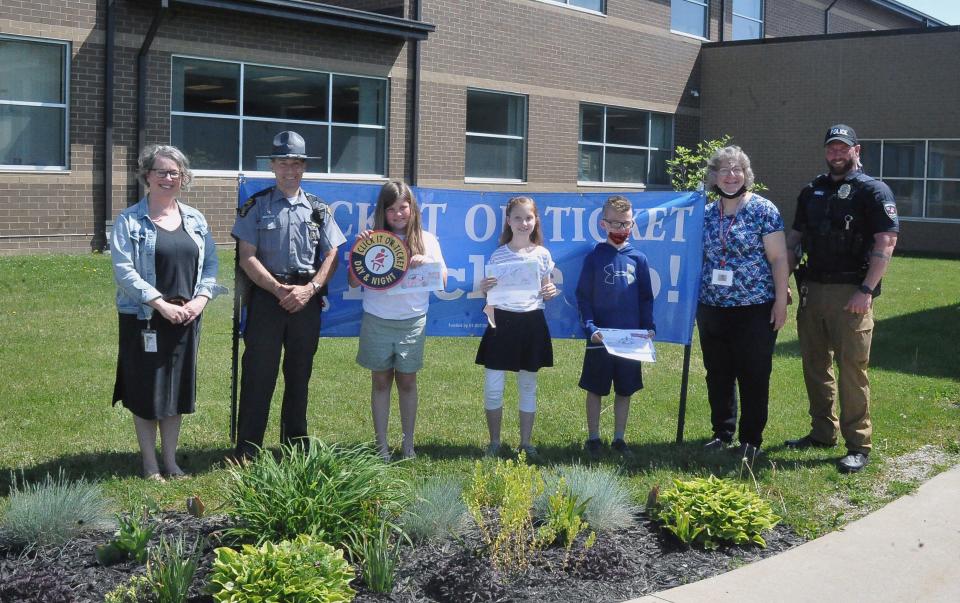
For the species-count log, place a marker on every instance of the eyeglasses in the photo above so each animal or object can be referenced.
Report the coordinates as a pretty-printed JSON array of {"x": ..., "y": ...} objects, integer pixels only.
[
  {"x": 175, "y": 174},
  {"x": 737, "y": 171},
  {"x": 618, "y": 225}
]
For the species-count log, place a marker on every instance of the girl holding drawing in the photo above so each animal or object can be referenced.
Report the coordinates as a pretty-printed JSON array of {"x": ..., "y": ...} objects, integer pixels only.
[
  {"x": 392, "y": 329},
  {"x": 517, "y": 338}
]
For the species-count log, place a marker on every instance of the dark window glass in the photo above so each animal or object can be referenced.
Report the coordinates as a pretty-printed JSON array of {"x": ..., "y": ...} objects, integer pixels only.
[
  {"x": 943, "y": 199},
  {"x": 903, "y": 159},
  {"x": 32, "y": 136},
  {"x": 625, "y": 126},
  {"x": 357, "y": 150},
  {"x": 494, "y": 158},
  {"x": 359, "y": 100},
  {"x": 661, "y": 131},
  {"x": 591, "y": 163},
  {"x": 32, "y": 71},
  {"x": 944, "y": 159},
  {"x": 591, "y": 123},
  {"x": 210, "y": 143},
  {"x": 870, "y": 157},
  {"x": 658, "y": 167},
  {"x": 625, "y": 165},
  {"x": 205, "y": 87},
  {"x": 258, "y": 139},
  {"x": 284, "y": 93},
  {"x": 909, "y": 196},
  {"x": 493, "y": 113}
]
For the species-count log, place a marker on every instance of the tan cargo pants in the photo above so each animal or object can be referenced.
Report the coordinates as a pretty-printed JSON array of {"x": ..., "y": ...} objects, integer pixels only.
[{"x": 829, "y": 334}]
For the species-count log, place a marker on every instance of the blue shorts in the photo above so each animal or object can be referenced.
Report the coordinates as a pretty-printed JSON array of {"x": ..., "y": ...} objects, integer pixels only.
[{"x": 600, "y": 369}]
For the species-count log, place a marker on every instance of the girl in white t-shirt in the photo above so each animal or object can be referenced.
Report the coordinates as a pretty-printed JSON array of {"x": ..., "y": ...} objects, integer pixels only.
[
  {"x": 517, "y": 339},
  {"x": 392, "y": 330}
]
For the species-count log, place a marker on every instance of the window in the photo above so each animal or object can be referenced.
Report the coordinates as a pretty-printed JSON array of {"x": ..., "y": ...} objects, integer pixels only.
[
  {"x": 624, "y": 146},
  {"x": 924, "y": 175},
  {"x": 34, "y": 102},
  {"x": 596, "y": 6},
  {"x": 747, "y": 19},
  {"x": 223, "y": 125},
  {"x": 496, "y": 132},
  {"x": 690, "y": 17}
]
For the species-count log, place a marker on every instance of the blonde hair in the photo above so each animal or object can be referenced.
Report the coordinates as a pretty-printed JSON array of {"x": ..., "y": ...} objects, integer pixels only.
[
  {"x": 724, "y": 157},
  {"x": 396, "y": 191},
  {"x": 617, "y": 203},
  {"x": 536, "y": 237}
]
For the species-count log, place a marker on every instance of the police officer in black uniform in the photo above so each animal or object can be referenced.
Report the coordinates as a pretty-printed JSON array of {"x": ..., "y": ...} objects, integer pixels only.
[
  {"x": 288, "y": 248},
  {"x": 846, "y": 224}
]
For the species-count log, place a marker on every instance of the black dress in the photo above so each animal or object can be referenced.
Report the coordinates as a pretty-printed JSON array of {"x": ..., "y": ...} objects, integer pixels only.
[{"x": 156, "y": 385}]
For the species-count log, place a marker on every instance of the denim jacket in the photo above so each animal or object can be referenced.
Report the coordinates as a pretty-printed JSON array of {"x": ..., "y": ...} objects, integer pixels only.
[{"x": 133, "y": 247}]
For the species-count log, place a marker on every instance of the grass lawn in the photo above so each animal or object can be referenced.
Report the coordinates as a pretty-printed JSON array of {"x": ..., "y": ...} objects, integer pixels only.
[{"x": 58, "y": 326}]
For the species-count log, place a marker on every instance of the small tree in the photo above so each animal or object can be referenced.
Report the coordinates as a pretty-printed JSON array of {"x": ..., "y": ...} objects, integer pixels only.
[{"x": 688, "y": 168}]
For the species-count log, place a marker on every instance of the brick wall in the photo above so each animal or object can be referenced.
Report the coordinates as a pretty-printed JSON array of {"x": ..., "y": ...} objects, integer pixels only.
[{"x": 798, "y": 89}]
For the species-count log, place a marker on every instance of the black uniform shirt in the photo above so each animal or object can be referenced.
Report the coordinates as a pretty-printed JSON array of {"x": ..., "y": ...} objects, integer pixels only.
[{"x": 855, "y": 208}]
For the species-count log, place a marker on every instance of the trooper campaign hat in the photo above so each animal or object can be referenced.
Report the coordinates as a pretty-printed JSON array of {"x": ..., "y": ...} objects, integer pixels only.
[
  {"x": 288, "y": 145},
  {"x": 841, "y": 132}
]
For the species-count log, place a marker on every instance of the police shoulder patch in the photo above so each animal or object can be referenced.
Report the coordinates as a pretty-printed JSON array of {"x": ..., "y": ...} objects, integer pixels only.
[
  {"x": 243, "y": 210},
  {"x": 891, "y": 209}
]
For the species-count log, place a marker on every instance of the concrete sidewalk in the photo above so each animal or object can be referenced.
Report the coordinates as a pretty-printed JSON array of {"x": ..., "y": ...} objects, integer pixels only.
[{"x": 906, "y": 551}]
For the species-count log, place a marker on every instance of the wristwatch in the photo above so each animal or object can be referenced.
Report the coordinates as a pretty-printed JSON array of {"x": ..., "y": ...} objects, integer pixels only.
[
  {"x": 316, "y": 286},
  {"x": 866, "y": 289}
]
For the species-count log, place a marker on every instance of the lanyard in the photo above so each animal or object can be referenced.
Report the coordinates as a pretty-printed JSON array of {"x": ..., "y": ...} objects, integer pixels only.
[{"x": 723, "y": 234}]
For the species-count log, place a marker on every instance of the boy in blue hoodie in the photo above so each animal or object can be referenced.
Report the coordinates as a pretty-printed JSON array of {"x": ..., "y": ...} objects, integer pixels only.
[{"x": 613, "y": 292}]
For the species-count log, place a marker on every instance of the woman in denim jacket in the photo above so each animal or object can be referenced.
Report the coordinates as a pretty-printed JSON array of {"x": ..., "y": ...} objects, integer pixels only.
[{"x": 165, "y": 265}]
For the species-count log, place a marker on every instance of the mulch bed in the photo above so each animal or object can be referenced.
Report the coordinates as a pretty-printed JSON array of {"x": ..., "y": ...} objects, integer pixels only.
[{"x": 621, "y": 565}]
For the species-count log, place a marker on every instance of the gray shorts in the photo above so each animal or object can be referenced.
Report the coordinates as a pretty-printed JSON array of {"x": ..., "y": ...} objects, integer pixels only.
[{"x": 392, "y": 344}]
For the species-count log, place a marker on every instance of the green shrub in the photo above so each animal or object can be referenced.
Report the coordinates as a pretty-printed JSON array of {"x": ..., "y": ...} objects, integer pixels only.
[
  {"x": 51, "y": 512},
  {"x": 335, "y": 493},
  {"x": 507, "y": 490},
  {"x": 381, "y": 554},
  {"x": 609, "y": 503},
  {"x": 130, "y": 541},
  {"x": 170, "y": 570},
  {"x": 708, "y": 511},
  {"x": 436, "y": 510},
  {"x": 688, "y": 167},
  {"x": 563, "y": 518},
  {"x": 301, "y": 570},
  {"x": 136, "y": 590}
]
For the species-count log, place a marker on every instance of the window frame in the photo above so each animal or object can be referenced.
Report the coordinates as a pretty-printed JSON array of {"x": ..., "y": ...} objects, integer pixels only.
[
  {"x": 566, "y": 4},
  {"x": 924, "y": 180},
  {"x": 706, "y": 20},
  {"x": 329, "y": 124},
  {"x": 649, "y": 148},
  {"x": 761, "y": 21},
  {"x": 524, "y": 138},
  {"x": 66, "y": 48}
]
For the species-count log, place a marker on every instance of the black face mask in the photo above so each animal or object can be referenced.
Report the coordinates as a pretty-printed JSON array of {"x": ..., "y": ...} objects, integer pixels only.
[{"x": 720, "y": 192}]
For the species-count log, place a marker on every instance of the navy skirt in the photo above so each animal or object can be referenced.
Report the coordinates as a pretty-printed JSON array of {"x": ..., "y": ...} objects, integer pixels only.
[{"x": 521, "y": 342}]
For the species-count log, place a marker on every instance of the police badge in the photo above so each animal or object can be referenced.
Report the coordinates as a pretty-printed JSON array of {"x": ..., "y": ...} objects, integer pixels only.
[{"x": 844, "y": 191}]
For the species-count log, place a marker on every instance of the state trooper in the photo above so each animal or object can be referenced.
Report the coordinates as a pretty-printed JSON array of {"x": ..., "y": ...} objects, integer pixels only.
[
  {"x": 846, "y": 225},
  {"x": 287, "y": 247}
]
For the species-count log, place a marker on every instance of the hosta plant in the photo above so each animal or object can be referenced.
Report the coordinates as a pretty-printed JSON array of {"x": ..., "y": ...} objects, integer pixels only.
[{"x": 710, "y": 511}]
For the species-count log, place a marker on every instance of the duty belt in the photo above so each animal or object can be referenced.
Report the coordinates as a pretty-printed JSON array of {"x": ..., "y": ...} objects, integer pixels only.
[
  {"x": 834, "y": 278},
  {"x": 295, "y": 278}
]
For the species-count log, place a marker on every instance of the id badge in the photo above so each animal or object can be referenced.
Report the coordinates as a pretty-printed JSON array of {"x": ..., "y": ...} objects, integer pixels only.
[
  {"x": 722, "y": 278},
  {"x": 149, "y": 340}
]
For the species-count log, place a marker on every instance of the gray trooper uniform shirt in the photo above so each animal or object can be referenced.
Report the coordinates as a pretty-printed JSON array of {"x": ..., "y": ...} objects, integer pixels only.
[{"x": 286, "y": 237}]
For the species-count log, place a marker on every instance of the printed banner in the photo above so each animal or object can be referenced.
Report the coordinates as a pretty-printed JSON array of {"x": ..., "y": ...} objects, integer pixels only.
[{"x": 668, "y": 230}]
